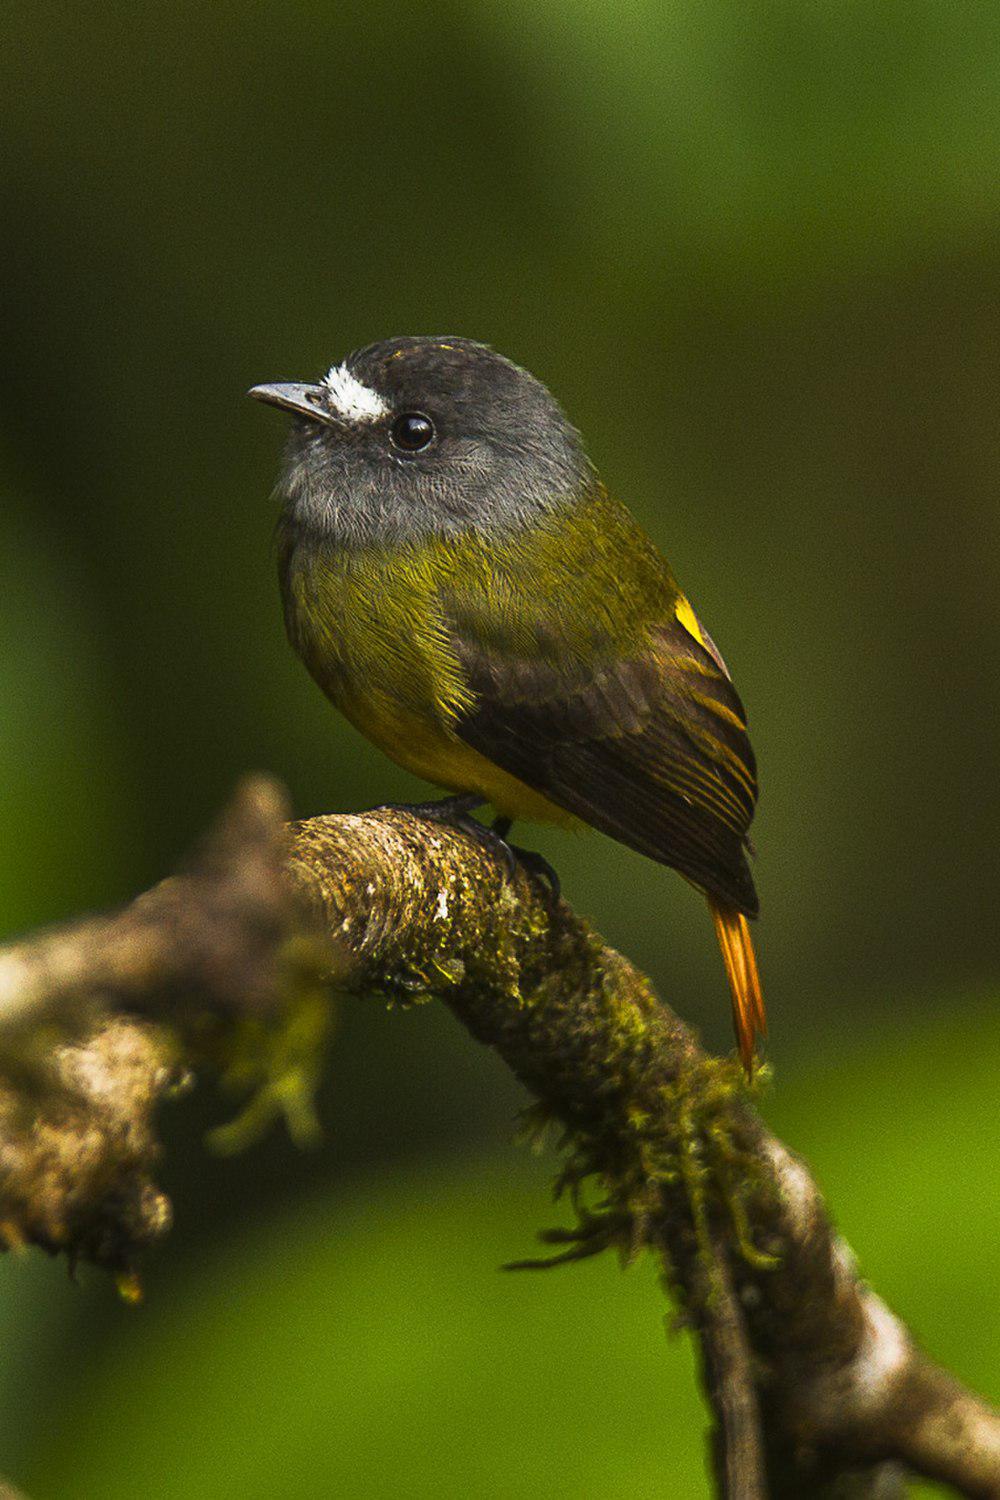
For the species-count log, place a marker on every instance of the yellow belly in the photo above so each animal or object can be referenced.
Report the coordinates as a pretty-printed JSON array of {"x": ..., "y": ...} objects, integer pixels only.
[
  {"x": 431, "y": 752},
  {"x": 367, "y": 625}
]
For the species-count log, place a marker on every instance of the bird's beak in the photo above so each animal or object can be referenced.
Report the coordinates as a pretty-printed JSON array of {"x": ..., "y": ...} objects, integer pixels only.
[{"x": 305, "y": 400}]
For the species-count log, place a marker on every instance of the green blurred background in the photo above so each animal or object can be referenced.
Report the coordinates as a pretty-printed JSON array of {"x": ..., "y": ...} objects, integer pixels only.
[{"x": 756, "y": 251}]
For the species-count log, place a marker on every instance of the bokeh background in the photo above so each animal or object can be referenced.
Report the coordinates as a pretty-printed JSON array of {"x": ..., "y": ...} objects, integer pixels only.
[{"x": 756, "y": 251}]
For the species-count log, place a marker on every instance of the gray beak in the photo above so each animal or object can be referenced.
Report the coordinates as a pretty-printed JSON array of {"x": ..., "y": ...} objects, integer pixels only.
[{"x": 305, "y": 400}]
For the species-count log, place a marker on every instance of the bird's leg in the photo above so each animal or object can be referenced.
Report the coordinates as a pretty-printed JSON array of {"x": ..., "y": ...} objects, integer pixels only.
[
  {"x": 456, "y": 812},
  {"x": 440, "y": 809},
  {"x": 535, "y": 863}
]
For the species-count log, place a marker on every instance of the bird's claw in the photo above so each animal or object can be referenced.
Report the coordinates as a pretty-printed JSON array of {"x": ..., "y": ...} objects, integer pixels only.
[
  {"x": 537, "y": 865},
  {"x": 456, "y": 812}
]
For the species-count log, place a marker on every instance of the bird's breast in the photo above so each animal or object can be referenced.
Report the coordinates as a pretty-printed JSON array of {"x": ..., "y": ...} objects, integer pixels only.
[
  {"x": 366, "y": 625},
  {"x": 369, "y": 630}
]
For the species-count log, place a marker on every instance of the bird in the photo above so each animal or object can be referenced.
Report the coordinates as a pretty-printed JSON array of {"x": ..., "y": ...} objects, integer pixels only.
[{"x": 462, "y": 585}]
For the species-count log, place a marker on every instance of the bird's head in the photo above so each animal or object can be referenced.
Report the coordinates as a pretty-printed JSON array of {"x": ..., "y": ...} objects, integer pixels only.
[{"x": 417, "y": 437}]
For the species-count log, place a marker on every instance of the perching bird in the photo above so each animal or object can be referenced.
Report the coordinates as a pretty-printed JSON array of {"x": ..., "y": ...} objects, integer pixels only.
[{"x": 460, "y": 583}]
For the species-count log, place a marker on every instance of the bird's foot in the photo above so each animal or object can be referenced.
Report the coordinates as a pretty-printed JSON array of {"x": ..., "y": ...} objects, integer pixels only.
[
  {"x": 439, "y": 810},
  {"x": 529, "y": 859},
  {"x": 456, "y": 812}
]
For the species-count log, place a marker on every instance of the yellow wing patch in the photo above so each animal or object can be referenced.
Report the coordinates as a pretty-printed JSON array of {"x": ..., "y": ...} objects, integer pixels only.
[
  {"x": 688, "y": 620},
  {"x": 687, "y": 617}
]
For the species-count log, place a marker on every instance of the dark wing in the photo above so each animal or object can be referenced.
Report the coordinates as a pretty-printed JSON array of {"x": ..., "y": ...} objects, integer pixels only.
[{"x": 649, "y": 747}]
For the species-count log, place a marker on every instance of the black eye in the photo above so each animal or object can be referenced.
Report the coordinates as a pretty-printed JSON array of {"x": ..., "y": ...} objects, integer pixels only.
[{"x": 412, "y": 431}]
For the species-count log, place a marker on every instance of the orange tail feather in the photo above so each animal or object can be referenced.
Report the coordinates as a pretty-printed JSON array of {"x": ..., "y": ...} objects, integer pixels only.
[{"x": 749, "y": 1019}]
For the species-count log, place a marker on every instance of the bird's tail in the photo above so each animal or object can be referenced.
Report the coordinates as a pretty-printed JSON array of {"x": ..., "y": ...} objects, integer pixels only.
[{"x": 749, "y": 1019}]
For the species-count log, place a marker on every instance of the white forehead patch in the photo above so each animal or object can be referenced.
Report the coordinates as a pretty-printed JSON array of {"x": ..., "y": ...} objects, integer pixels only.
[{"x": 351, "y": 399}]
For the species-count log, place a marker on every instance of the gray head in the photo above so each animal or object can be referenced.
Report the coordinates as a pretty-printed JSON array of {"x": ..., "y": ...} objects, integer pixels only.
[{"x": 415, "y": 437}]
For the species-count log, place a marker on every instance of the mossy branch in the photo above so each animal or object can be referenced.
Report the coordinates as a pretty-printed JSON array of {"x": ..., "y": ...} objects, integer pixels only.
[{"x": 815, "y": 1386}]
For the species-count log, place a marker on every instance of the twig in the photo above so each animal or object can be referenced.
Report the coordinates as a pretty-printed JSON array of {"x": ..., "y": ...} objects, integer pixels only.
[{"x": 736, "y": 1443}]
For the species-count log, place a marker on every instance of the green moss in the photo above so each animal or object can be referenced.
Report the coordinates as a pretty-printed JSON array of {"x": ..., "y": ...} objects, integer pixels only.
[
  {"x": 275, "y": 1060},
  {"x": 616, "y": 1175}
]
